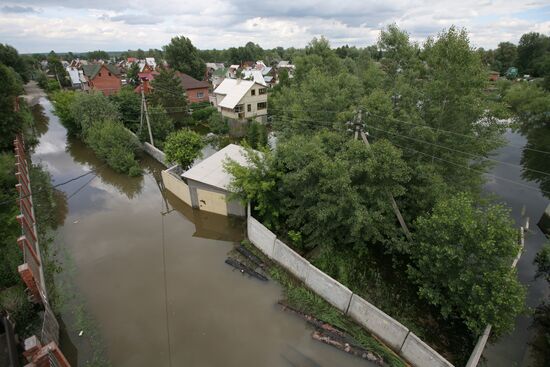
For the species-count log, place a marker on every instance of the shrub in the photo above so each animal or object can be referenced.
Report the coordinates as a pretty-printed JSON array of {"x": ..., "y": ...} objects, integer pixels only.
[
  {"x": 203, "y": 114},
  {"x": 63, "y": 101},
  {"x": 161, "y": 125},
  {"x": 88, "y": 108},
  {"x": 115, "y": 145},
  {"x": 129, "y": 107},
  {"x": 183, "y": 147},
  {"x": 218, "y": 124}
]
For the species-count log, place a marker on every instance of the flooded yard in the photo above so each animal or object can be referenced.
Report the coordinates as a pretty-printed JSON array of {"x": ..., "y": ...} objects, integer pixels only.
[{"x": 147, "y": 275}]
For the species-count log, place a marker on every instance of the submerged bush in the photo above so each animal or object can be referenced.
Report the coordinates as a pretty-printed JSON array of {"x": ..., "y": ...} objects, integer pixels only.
[{"x": 115, "y": 145}]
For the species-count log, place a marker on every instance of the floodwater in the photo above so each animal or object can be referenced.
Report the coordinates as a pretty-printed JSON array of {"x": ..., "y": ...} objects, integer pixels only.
[
  {"x": 149, "y": 272},
  {"x": 525, "y": 200}
]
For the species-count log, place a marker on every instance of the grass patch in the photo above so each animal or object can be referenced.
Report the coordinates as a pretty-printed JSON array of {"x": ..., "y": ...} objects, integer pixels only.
[{"x": 304, "y": 300}]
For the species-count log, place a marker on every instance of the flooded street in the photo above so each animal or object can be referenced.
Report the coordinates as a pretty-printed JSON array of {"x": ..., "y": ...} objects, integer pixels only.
[
  {"x": 513, "y": 350},
  {"x": 149, "y": 273}
]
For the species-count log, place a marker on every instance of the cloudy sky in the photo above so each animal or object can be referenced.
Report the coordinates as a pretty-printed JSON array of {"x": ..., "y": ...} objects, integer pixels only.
[{"x": 112, "y": 25}]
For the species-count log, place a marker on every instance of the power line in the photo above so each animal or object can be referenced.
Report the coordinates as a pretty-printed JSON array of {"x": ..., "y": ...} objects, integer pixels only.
[
  {"x": 410, "y": 123},
  {"x": 450, "y": 149},
  {"x": 57, "y": 185},
  {"x": 459, "y": 165},
  {"x": 473, "y": 169}
]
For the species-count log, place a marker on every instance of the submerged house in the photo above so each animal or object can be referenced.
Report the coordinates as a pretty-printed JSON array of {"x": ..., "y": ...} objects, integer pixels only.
[{"x": 206, "y": 185}]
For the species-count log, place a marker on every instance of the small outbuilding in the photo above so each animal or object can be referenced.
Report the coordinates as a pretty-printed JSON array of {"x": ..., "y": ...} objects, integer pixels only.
[{"x": 206, "y": 184}]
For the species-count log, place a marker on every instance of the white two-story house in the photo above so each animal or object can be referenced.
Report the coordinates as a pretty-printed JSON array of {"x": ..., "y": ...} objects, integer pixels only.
[{"x": 242, "y": 99}]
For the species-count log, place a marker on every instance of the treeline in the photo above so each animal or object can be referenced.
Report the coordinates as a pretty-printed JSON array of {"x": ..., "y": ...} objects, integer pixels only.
[
  {"x": 16, "y": 118},
  {"x": 330, "y": 195}
]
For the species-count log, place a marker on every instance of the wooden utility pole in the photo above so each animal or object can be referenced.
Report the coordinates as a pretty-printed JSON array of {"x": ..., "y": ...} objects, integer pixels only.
[
  {"x": 144, "y": 108},
  {"x": 359, "y": 130}
]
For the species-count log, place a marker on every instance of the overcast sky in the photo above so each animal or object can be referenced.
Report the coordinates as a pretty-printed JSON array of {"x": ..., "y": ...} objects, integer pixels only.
[{"x": 113, "y": 25}]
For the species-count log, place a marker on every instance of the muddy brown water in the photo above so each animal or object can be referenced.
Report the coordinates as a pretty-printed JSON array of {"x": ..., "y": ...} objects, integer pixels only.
[{"x": 150, "y": 274}]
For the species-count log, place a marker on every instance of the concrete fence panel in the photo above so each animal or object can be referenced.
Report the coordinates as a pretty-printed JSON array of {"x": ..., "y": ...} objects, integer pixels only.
[
  {"x": 289, "y": 259},
  {"x": 377, "y": 322},
  {"x": 329, "y": 289},
  {"x": 176, "y": 186},
  {"x": 260, "y": 236},
  {"x": 155, "y": 153},
  {"x": 420, "y": 354}
]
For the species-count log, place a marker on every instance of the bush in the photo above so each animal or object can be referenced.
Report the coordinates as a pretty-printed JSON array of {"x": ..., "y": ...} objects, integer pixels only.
[
  {"x": 63, "y": 101},
  {"x": 183, "y": 147},
  {"x": 203, "y": 114},
  {"x": 129, "y": 106},
  {"x": 52, "y": 85},
  {"x": 218, "y": 124},
  {"x": 115, "y": 145},
  {"x": 89, "y": 108},
  {"x": 161, "y": 125}
]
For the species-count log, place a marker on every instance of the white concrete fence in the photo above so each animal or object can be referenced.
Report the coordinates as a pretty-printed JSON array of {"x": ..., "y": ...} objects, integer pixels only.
[{"x": 390, "y": 331}]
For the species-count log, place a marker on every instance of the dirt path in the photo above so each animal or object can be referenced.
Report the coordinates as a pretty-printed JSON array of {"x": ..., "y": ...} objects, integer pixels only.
[{"x": 33, "y": 93}]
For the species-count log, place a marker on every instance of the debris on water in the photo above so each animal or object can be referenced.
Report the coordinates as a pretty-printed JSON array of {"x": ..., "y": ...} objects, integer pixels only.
[
  {"x": 81, "y": 333},
  {"x": 245, "y": 269},
  {"x": 250, "y": 256},
  {"x": 76, "y": 221},
  {"x": 355, "y": 350}
]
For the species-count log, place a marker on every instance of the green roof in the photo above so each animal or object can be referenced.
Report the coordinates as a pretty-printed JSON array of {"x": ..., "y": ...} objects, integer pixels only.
[{"x": 91, "y": 70}]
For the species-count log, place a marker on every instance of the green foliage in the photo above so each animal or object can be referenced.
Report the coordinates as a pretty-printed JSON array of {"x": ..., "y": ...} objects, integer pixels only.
[
  {"x": 20, "y": 64},
  {"x": 10, "y": 121},
  {"x": 15, "y": 302},
  {"x": 183, "y": 147},
  {"x": 461, "y": 260},
  {"x": 218, "y": 124},
  {"x": 531, "y": 49},
  {"x": 97, "y": 55},
  {"x": 183, "y": 56},
  {"x": 203, "y": 114},
  {"x": 10, "y": 254},
  {"x": 505, "y": 56},
  {"x": 132, "y": 76},
  {"x": 129, "y": 107},
  {"x": 90, "y": 108},
  {"x": 256, "y": 135},
  {"x": 115, "y": 145},
  {"x": 63, "y": 101},
  {"x": 161, "y": 126},
  {"x": 529, "y": 104},
  {"x": 542, "y": 260},
  {"x": 169, "y": 93}
]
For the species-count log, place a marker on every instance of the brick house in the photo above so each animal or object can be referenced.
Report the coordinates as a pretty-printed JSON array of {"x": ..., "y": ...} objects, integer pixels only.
[
  {"x": 196, "y": 90},
  {"x": 102, "y": 77}
]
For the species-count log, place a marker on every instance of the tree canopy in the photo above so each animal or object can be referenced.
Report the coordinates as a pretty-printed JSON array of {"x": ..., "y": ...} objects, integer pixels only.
[{"x": 183, "y": 56}]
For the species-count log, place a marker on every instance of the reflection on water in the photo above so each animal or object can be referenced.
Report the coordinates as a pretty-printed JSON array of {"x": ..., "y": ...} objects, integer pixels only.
[
  {"x": 525, "y": 201},
  {"x": 129, "y": 186},
  {"x": 536, "y": 160}
]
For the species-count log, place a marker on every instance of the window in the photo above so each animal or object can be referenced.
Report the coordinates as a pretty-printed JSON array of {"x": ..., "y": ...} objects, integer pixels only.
[
  {"x": 253, "y": 92},
  {"x": 239, "y": 108},
  {"x": 249, "y": 108},
  {"x": 109, "y": 74},
  {"x": 262, "y": 105},
  {"x": 99, "y": 74},
  {"x": 262, "y": 91},
  {"x": 200, "y": 94}
]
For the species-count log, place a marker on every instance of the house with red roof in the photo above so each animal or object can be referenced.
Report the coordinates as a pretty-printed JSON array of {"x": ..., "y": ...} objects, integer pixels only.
[
  {"x": 102, "y": 77},
  {"x": 196, "y": 90}
]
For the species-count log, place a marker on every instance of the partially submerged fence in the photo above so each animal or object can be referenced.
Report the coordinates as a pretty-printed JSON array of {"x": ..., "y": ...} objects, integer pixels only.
[
  {"x": 390, "y": 331},
  {"x": 42, "y": 351}
]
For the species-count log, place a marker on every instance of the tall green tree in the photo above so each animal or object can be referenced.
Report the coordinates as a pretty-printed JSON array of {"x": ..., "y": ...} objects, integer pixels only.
[
  {"x": 10, "y": 121},
  {"x": 183, "y": 56},
  {"x": 531, "y": 47},
  {"x": 97, "y": 55},
  {"x": 505, "y": 56},
  {"x": 183, "y": 147},
  {"x": 461, "y": 260},
  {"x": 133, "y": 74},
  {"x": 168, "y": 92}
]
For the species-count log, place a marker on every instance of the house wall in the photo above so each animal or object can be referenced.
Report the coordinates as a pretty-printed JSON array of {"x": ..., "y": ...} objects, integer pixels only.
[
  {"x": 108, "y": 84},
  {"x": 192, "y": 95},
  {"x": 253, "y": 101},
  {"x": 196, "y": 190}
]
